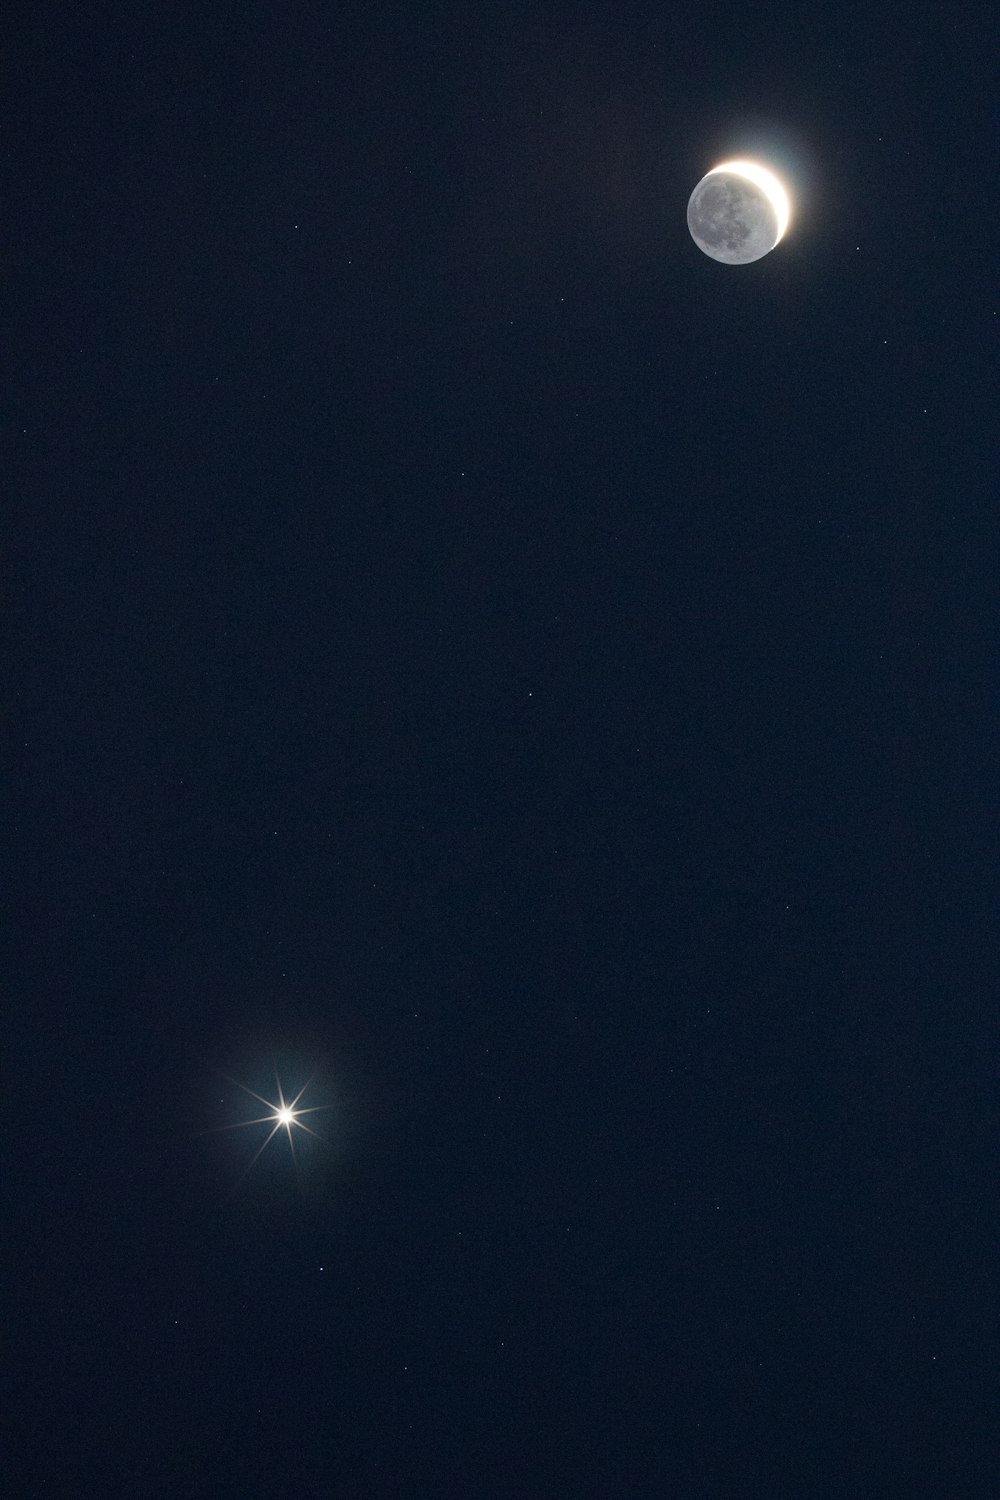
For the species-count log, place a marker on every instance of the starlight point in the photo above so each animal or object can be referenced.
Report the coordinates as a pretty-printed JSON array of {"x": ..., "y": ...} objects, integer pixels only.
[{"x": 282, "y": 1114}]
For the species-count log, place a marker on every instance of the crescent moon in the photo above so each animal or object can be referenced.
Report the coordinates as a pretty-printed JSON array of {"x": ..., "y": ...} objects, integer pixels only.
[
  {"x": 768, "y": 184},
  {"x": 738, "y": 212}
]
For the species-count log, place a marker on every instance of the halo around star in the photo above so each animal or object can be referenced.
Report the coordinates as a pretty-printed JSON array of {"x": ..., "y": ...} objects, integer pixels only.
[{"x": 282, "y": 1115}]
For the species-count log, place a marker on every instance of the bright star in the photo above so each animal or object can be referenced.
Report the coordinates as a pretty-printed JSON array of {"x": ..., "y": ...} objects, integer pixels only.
[{"x": 282, "y": 1114}]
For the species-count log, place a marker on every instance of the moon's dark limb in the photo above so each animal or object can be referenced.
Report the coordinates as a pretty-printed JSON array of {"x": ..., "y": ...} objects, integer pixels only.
[{"x": 732, "y": 219}]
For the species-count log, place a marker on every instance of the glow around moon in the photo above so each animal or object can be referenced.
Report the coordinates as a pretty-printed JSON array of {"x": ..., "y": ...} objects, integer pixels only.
[{"x": 738, "y": 212}]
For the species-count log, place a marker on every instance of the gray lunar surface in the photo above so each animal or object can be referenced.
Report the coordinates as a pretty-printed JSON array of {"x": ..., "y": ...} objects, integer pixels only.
[{"x": 732, "y": 219}]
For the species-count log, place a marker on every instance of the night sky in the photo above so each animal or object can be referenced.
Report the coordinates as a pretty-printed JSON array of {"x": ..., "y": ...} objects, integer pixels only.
[{"x": 474, "y": 657}]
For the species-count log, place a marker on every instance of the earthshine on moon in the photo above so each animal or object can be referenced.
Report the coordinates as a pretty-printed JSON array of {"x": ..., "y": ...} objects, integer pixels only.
[{"x": 738, "y": 212}]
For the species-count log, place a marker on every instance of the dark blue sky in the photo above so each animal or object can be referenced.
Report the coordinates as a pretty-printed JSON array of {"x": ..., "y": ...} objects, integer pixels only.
[{"x": 468, "y": 645}]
